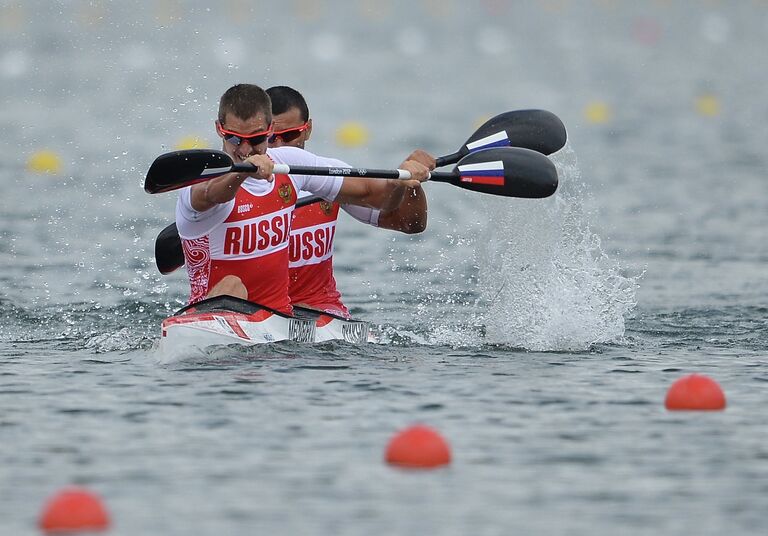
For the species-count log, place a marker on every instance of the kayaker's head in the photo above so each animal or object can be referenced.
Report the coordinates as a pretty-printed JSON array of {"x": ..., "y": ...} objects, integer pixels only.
[
  {"x": 245, "y": 121},
  {"x": 292, "y": 125}
]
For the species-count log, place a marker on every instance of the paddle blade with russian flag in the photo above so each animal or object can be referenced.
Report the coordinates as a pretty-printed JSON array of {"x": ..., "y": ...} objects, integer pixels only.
[
  {"x": 539, "y": 130},
  {"x": 508, "y": 171},
  {"x": 491, "y": 172},
  {"x": 178, "y": 169},
  {"x": 498, "y": 139}
]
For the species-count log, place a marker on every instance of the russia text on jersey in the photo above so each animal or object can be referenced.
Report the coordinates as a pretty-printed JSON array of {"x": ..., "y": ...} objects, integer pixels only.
[
  {"x": 311, "y": 245},
  {"x": 254, "y": 237}
]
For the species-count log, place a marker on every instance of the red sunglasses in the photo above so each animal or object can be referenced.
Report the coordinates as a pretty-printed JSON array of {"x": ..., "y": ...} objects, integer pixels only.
[
  {"x": 235, "y": 138},
  {"x": 288, "y": 134}
]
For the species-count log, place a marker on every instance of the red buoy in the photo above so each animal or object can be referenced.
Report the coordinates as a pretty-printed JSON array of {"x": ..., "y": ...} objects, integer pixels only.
[
  {"x": 695, "y": 392},
  {"x": 74, "y": 509},
  {"x": 418, "y": 446}
]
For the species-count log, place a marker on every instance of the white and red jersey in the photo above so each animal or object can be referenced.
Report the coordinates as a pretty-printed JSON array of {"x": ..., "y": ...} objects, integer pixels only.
[
  {"x": 248, "y": 237},
  {"x": 311, "y": 255}
]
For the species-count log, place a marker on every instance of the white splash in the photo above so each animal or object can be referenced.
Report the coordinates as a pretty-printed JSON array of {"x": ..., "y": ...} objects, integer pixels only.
[
  {"x": 118, "y": 341},
  {"x": 547, "y": 285}
]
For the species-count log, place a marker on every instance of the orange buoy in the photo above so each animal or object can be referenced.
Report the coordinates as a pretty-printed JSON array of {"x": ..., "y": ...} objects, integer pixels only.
[
  {"x": 74, "y": 509},
  {"x": 695, "y": 392},
  {"x": 418, "y": 446}
]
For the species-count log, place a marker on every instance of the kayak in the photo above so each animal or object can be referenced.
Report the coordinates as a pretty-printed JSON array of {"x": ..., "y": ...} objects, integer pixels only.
[{"x": 226, "y": 320}]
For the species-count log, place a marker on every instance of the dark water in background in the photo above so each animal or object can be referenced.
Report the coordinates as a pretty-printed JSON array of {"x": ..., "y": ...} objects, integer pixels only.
[{"x": 538, "y": 336}]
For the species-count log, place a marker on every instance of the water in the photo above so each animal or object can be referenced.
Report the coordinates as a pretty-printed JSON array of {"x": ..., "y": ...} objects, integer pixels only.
[{"x": 538, "y": 336}]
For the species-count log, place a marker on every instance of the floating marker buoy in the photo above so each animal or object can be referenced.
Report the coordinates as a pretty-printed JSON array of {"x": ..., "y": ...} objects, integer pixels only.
[
  {"x": 12, "y": 18},
  {"x": 707, "y": 105},
  {"x": 191, "y": 142},
  {"x": 352, "y": 134},
  {"x": 44, "y": 161},
  {"x": 695, "y": 392},
  {"x": 308, "y": 10},
  {"x": 168, "y": 11},
  {"x": 74, "y": 509},
  {"x": 418, "y": 446},
  {"x": 480, "y": 122},
  {"x": 597, "y": 112}
]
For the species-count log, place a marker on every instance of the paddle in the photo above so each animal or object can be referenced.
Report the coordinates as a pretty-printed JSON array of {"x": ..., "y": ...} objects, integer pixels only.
[
  {"x": 505, "y": 171},
  {"x": 508, "y": 171},
  {"x": 538, "y": 130}
]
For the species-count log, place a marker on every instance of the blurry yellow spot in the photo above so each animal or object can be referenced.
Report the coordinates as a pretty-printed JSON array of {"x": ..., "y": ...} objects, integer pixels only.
[
  {"x": 191, "y": 142},
  {"x": 240, "y": 11},
  {"x": 708, "y": 105},
  {"x": 440, "y": 9},
  {"x": 480, "y": 122},
  {"x": 168, "y": 11},
  {"x": 93, "y": 14},
  {"x": 598, "y": 112},
  {"x": 11, "y": 18},
  {"x": 310, "y": 10},
  {"x": 44, "y": 162},
  {"x": 352, "y": 135}
]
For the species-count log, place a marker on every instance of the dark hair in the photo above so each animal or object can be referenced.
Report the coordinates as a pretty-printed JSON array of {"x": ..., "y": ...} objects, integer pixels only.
[
  {"x": 284, "y": 98},
  {"x": 245, "y": 101}
]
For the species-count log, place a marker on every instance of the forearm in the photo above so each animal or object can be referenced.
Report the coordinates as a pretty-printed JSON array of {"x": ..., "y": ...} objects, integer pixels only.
[
  {"x": 383, "y": 194},
  {"x": 410, "y": 217},
  {"x": 222, "y": 189}
]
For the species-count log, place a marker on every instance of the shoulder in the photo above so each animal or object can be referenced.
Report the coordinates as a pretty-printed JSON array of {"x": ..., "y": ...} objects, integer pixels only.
[
  {"x": 300, "y": 157},
  {"x": 193, "y": 224},
  {"x": 291, "y": 156}
]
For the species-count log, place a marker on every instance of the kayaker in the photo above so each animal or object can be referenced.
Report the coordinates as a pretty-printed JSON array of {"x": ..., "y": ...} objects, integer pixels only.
[
  {"x": 311, "y": 281},
  {"x": 235, "y": 228}
]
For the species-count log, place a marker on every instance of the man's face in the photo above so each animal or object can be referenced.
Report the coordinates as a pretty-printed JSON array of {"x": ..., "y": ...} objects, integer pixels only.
[
  {"x": 235, "y": 133},
  {"x": 290, "y": 129}
]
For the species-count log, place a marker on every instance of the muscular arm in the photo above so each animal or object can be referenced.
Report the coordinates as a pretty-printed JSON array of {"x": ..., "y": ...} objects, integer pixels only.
[
  {"x": 383, "y": 194},
  {"x": 410, "y": 217},
  {"x": 206, "y": 195},
  {"x": 386, "y": 195}
]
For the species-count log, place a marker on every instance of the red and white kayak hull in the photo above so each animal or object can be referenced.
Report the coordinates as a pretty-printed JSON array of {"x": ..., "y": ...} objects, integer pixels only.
[{"x": 224, "y": 321}]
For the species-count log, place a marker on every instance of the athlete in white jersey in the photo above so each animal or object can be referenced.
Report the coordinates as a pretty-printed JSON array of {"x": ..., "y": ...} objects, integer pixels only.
[{"x": 235, "y": 228}]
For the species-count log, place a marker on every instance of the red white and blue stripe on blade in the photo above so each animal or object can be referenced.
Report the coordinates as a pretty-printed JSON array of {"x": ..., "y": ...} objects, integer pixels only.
[
  {"x": 490, "y": 173},
  {"x": 499, "y": 139}
]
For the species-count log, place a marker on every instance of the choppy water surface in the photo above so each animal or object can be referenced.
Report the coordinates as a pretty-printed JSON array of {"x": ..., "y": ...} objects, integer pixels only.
[{"x": 538, "y": 336}]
